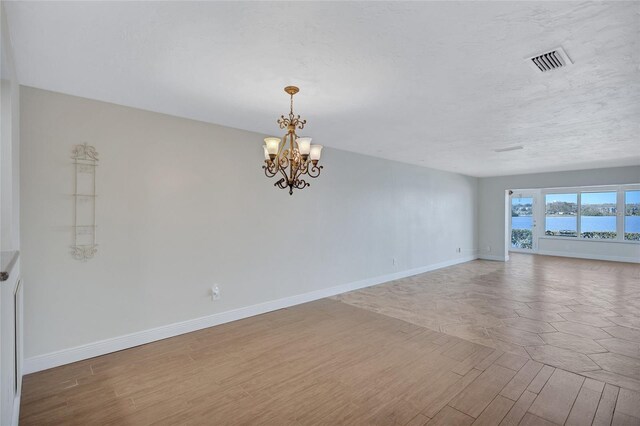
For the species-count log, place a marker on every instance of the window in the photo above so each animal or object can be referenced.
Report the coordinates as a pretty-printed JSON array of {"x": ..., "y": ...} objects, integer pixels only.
[
  {"x": 598, "y": 215},
  {"x": 561, "y": 212},
  {"x": 632, "y": 215},
  {"x": 610, "y": 213}
]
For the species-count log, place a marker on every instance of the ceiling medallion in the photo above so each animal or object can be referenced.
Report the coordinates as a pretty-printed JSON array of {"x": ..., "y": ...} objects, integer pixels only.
[{"x": 293, "y": 161}]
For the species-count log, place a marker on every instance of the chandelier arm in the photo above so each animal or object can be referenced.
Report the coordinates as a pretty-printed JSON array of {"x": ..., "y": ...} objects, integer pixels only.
[
  {"x": 269, "y": 172},
  {"x": 301, "y": 168},
  {"x": 283, "y": 171},
  {"x": 301, "y": 184},
  {"x": 296, "y": 174},
  {"x": 274, "y": 169},
  {"x": 283, "y": 122},
  {"x": 314, "y": 172},
  {"x": 281, "y": 183}
]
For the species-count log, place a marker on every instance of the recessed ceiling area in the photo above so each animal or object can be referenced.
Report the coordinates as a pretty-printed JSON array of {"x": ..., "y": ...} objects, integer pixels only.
[{"x": 442, "y": 85}]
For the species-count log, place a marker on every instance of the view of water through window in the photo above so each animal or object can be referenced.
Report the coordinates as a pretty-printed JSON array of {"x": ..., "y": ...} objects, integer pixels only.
[
  {"x": 522, "y": 223},
  {"x": 632, "y": 215},
  {"x": 597, "y": 213},
  {"x": 561, "y": 212}
]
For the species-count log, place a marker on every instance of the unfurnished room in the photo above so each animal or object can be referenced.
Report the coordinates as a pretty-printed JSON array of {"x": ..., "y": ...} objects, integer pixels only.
[{"x": 320, "y": 213}]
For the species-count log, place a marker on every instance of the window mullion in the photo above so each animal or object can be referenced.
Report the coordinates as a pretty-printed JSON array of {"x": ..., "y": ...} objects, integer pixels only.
[
  {"x": 579, "y": 216},
  {"x": 620, "y": 215}
]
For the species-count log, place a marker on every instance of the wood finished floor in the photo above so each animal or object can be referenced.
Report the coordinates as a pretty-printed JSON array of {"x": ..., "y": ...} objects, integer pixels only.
[
  {"x": 330, "y": 363},
  {"x": 579, "y": 315}
]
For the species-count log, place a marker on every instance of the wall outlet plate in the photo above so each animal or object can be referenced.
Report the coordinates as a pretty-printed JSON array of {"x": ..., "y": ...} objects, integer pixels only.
[{"x": 215, "y": 293}]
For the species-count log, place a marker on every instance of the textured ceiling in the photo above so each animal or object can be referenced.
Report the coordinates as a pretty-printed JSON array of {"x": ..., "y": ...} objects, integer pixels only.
[{"x": 438, "y": 84}]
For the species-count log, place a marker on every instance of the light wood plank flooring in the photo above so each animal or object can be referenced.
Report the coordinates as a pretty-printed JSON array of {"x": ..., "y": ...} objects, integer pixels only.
[{"x": 331, "y": 363}]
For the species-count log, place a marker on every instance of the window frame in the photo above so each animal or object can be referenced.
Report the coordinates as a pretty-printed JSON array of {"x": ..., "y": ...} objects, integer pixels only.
[
  {"x": 620, "y": 210},
  {"x": 622, "y": 207},
  {"x": 533, "y": 195},
  {"x": 563, "y": 191},
  {"x": 617, "y": 203}
]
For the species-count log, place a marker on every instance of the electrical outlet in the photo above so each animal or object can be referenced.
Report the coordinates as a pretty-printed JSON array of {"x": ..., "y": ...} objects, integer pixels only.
[
  {"x": 488, "y": 248},
  {"x": 393, "y": 261},
  {"x": 458, "y": 250},
  {"x": 215, "y": 293}
]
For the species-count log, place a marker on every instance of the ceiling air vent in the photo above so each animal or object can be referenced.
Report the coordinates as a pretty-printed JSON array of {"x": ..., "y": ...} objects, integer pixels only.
[
  {"x": 509, "y": 148},
  {"x": 551, "y": 60}
]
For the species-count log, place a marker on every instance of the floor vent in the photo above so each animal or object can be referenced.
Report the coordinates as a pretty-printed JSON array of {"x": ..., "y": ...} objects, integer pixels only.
[{"x": 551, "y": 60}]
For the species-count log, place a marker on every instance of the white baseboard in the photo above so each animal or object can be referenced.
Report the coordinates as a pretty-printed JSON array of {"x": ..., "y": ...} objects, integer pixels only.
[
  {"x": 493, "y": 257},
  {"x": 90, "y": 350},
  {"x": 589, "y": 256}
]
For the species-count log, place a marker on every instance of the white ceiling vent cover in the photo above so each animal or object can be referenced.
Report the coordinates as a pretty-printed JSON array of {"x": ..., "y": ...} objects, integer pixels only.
[{"x": 551, "y": 60}]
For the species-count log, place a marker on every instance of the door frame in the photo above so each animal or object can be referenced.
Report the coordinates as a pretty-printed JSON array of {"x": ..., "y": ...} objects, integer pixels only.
[{"x": 534, "y": 194}]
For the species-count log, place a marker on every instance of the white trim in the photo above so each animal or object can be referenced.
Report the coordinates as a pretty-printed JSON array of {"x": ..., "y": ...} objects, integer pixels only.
[
  {"x": 516, "y": 250},
  {"x": 90, "y": 350},
  {"x": 593, "y": 240},
  {"x": 17, "y": 291},
  {"x": 534, "y": 194},
  {"x": 494, "y": 257},
  {"x": 589, "y": 256},
  {"x": 561, "y": 189},
  {"x": 15, "y": 417}
]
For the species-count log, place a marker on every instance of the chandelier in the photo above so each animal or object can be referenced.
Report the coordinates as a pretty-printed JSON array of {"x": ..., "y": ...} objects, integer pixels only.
[{"x": 293, "y": 160}]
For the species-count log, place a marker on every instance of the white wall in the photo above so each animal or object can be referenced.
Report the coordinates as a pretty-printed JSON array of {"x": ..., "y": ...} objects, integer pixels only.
[
  {"x": 184, "y": 204},
  {"x": 492, "y": 212}
]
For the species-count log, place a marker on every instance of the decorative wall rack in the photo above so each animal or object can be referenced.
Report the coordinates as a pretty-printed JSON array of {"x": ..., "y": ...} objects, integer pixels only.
[{"x": 85, "y": 160}]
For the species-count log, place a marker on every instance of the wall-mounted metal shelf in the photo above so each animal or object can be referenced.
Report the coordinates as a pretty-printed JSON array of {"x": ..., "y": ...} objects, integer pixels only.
[{"x": 85, "y": 162}]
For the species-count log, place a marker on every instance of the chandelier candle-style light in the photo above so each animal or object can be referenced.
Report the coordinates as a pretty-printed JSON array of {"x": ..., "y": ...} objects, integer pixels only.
[{"x": 295, "y": 160}]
